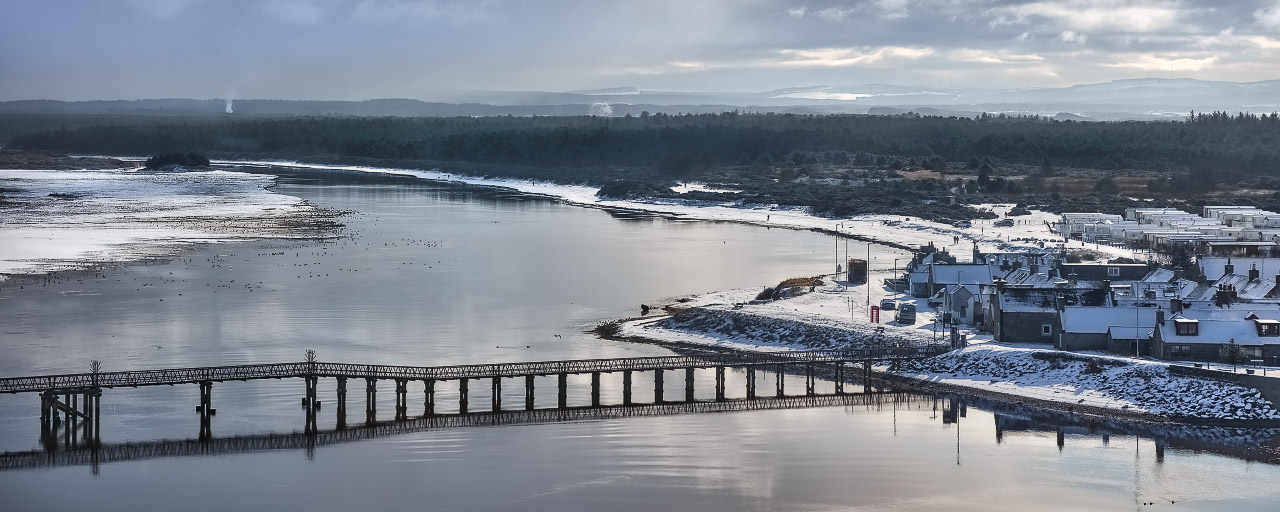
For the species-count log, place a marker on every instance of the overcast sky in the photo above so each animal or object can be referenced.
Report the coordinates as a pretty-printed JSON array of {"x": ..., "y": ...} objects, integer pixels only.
[{"x": 357, "y": 49}]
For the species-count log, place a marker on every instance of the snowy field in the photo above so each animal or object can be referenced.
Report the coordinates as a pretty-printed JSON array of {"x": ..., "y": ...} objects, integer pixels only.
[{"x": 63, "y": 220}]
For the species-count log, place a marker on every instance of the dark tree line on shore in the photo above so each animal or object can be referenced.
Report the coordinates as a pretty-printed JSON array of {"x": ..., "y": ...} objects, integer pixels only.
[{"x": 681, "y": 145}]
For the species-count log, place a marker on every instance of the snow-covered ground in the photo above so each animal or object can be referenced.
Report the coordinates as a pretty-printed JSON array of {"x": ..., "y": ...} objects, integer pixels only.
[
  {"x": 120, "y": 215},
  {"x": 1028, "y": 231},
  {"x": 62, "y": 220},
  {"x": 1138, "y": 386}
]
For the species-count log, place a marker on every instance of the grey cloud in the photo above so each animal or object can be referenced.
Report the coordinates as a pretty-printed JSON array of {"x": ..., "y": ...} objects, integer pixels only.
[{"x": 350, "y": 49}]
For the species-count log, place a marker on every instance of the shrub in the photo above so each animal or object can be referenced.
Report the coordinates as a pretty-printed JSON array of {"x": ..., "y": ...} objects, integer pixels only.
[{"x": 180, "y": 159}]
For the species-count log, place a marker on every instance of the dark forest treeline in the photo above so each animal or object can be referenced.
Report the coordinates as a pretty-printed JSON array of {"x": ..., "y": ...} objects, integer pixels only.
[{"x": 1217, "y": 142}]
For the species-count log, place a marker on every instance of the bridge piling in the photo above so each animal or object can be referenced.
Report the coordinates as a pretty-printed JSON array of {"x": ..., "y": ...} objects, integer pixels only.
[
  {"x": 497, "y": 394},
  {"x": 626, "y": 387},
  {"x": 206, "y": 410},
  {"x": 462, "y": 396},
  {"x": 429, "y": 397},
  {"x": 657, "y": 386},
  {"x": 402, "y": 399},
  {"x": 688, "y": 384},
  {"x": 370, "y": 400},
  {"x": 562, "y": 400},
  {"x": 342, "y": 403},
  {"x": 839, "y": 378},
  {"x": 310, "y": 404},
  {"x": 719, "y": 383},
  {"x": 810, "y": 380},
  {"x": 528, "y": 392},
  {"x": 751, "y": 383},
  {"x": 781, "y": 373},
  {"x": 595, "y": 389}
]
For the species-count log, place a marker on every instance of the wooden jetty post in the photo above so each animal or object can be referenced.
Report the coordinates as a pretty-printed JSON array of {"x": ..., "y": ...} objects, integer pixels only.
[
  {"x": 688, "y": 384},
  {"x": 839, "y": 378},
  {"x": 626, "y": 387},
  {"x": 810, "y": 380},
  {"x": 562, "y": 400},
  {"x": 371, "y": 400},
  {"x": 528, "y": 392},
  {"x": 429, "y": 397},
  {"x": 657, "y": 386},
  {"x": 342, "y": 402},
  {"x": 462, "y": 396},
  {"x": 719, "y": 383},
  {"x": 595, "y": 389},
  {"x": 310, "y": 404},
  {"x": 781, "y": 373},
  {"x": 402, "y": 399},
  {"x": 206, "y": 410},
  {"x": 497, "y": 394}
]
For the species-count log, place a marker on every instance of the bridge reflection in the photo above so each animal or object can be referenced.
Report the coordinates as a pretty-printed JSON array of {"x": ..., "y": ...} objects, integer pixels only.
[{"x": 215, "y": 446}]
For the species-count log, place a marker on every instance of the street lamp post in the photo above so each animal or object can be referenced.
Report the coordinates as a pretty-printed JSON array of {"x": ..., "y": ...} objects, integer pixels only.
[
  {"x": 895, "y": 278},
  {"x": 837, "y": 240}
]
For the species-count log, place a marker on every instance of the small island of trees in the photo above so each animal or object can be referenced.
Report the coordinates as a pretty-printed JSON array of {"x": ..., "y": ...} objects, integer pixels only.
[{"x": 178, "y": 159}]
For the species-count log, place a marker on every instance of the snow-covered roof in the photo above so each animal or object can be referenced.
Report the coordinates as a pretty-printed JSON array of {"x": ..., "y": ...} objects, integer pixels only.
[
  {"x": 1218, "y": 326},
  {"x": 1247, "y": 289},
  {"x": 1213, "y": 267},
  {"x": 1083, "y": 319},
  {"x": 1028, "y": 300},
  {"x": 961, "y": 274},
  {"x": 1129, "y": 333},
  {"x": 1159, "y": 275}
]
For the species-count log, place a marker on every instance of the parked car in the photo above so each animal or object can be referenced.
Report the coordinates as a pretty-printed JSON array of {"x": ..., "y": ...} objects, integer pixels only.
[
  {"x": 888, "y": 305},
  {"x": 936, "y": 299},
  {"x": 906, "y": 314},
  {"x": 1003, "y": 223},
  {"x": 962, "y": 224}
]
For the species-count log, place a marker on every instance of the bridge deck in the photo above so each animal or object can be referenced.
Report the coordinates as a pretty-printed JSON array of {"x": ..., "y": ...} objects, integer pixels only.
[{"x": 172, "y": 376}]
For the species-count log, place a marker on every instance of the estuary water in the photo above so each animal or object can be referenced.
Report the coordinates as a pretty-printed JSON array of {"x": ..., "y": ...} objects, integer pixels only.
[{"x": 434, "y": 274}]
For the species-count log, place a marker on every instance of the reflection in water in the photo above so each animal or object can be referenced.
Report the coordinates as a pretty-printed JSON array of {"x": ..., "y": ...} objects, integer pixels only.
[
  {"x": 520, "y": 279},
  {"x": 1261, "y": 445}
]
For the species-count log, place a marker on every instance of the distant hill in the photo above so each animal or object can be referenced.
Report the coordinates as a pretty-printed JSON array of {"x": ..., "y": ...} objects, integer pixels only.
[{"x": 1147, "y": 98}]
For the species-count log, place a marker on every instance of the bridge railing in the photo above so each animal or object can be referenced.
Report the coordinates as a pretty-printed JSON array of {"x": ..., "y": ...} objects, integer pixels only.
[{"x": 475, "y": 371}]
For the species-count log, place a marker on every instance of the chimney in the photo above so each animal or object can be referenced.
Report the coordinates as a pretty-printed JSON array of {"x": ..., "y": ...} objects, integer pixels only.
[
  {"x": 1253, "y": 272},
  {"x": 1175, "y": 306},
  {"x": 1060, "y": 302},
  {"x": 1228, "y": 269},
  {"x": 1034, "y": 268},
  {"x": 1177, "y": 275},
  {"x": 977, "y": 255},
  {"x": 1159, "y": 316}
]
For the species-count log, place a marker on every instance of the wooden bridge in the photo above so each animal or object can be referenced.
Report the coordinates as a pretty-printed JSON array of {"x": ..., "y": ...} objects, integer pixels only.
[{"x": 74, "y": 399}]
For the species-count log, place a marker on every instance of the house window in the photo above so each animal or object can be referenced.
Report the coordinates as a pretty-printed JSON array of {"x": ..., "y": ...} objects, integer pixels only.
[
  {"x": 1268, "y": 328},
  {"x": 1046, "y": 329},
  {"x": 1176, "y": 351},
  {"x": 1113, "y": 271},
  {"x": 1186, "y": 327},
  {"x": 1252, "y": 352}
]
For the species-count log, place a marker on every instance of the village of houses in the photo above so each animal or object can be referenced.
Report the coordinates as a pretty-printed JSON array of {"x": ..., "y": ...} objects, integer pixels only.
[
  {"x": 1039, "y": 320},
  {"x": 1135, "y": 309}
]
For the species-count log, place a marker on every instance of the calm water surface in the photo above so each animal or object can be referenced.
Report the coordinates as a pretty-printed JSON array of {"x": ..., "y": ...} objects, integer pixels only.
[{"x": 438, "y": 275}]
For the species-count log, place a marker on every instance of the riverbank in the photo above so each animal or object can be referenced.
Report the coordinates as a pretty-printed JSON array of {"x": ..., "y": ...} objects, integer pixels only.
[
  {"x": 60, "y": 220},
  {"x": 830, "y": 317}
]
